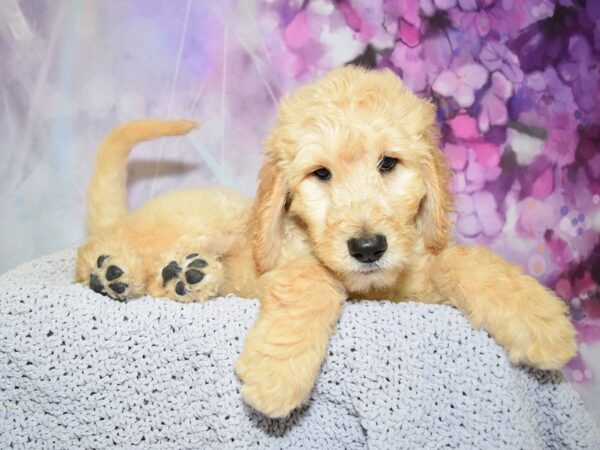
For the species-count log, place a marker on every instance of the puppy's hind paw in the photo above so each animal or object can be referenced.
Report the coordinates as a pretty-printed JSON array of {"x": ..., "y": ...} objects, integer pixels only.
[
  {"x": 191, "y": 278},
  {"x": 110, "y": 279},
  {"x": 110, "y": 269}
]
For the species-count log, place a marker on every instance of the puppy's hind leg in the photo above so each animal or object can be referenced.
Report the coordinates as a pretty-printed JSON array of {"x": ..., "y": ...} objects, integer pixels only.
[{"x": 110, "y": 266}]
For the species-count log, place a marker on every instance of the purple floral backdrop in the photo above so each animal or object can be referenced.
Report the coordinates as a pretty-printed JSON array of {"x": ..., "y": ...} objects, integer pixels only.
[{"x": 516, "y": 83}]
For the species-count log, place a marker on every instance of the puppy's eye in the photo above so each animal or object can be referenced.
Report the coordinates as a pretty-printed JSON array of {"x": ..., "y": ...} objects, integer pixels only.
[
  {"x": 322, "y": 174},
  {"x": 387, "y": 164}
]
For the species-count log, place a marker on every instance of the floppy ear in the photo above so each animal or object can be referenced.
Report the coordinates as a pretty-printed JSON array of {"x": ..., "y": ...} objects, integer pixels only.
[
  {"x": 266, "y": 218},
  {"x": 436, "y": 206}
]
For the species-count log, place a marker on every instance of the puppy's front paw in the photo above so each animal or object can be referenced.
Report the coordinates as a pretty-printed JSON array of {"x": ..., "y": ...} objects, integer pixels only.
[
  {"x": 276, "y": 385},
  {"x": 542, "y": 335},
  {"x": 551, "y": 344},
  {"x": 527, "y": 319}
]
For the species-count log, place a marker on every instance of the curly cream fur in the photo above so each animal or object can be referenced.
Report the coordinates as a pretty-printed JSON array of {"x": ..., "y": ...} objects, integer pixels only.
[{"x": 289, "y": 248}]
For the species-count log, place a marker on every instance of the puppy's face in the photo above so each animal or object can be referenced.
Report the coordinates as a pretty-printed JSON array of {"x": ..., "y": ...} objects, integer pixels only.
[
  {"x": 357, "y": 191},
  {"x": 354, "y": 151}
]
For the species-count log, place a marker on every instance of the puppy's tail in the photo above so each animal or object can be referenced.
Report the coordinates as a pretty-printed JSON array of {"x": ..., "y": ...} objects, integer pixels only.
[{"x": 107, "y": 192}]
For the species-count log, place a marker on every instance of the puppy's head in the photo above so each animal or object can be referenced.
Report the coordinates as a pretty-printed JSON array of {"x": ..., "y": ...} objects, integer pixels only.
[{"x": 353, "y": 161}]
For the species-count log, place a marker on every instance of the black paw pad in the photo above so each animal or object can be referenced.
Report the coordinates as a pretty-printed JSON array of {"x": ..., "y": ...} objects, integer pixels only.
[
  {"x": 113, "y": 272},
  {"x": 96, "y": 284},
  {"x": 180, "y": 288},
  {"x": 119, "y": 288},
  {"x": 100, "y": 260},
  {"x": 170, "y": 271},
  {"x": 194, "y": 276},
  {"x": 191, "y": 255},
  {"x": 198, "y": 263}
]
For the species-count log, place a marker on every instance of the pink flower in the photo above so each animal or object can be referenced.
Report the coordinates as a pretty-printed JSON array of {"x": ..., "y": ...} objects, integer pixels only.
[
  {"x": 464, "y": 127},
  {"x": 462, "y": 83},
  {"x": 481, "y": 165},
  {"x": 351, "y": 16},
  {"x": 474, "y": 162},
  {"x": 488, "y": 156},
  {"x": 457, "y": 155},
  {"x": 363, "y": 17},
  {"x": 408, "y": 33},
  {"x": 543, "y": 185},
  {"x": 482, "y": 156},
  {"x": 297, "y": 34}
]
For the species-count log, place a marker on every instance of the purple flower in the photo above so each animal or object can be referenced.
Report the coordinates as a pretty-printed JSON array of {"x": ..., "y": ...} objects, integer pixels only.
[
  {"x": 545, "y": 42},
  {"x": 581, "y": 73},
  {"x": 480, "y": 18},
  {"x": 493, "y": 103},
  {"x": 429, "y": 7},
  {"x": 420, "y": 65},
  {"x": 562, "y": 139},
  {"x": 547, "y": 95},
  {"x": 478, "y": 215},
  {"x": 496, "y": 56},
  {"x": 462, "y": 83},
  {"x": 413, "y": 65},
  {"x": 472, "y": 5}
]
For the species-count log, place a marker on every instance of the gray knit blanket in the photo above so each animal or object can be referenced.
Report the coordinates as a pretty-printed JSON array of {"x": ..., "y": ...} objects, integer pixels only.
[{"x": 78, "y": 370}]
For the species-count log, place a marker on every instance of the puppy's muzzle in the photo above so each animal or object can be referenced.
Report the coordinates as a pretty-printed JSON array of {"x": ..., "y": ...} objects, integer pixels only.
[{"x": 367, "y": 249}]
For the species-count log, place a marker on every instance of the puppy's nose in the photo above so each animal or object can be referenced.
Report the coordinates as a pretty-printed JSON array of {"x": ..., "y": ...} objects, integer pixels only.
[{"x": 368, "y": 249}]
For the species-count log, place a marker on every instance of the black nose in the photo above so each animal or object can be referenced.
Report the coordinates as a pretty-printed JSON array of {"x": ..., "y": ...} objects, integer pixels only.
[{"x": 367, "y": 249}]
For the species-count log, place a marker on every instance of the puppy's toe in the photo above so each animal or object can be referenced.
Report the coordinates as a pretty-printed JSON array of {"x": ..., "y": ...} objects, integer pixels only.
[
  {"x": 100, "y": 260},
  {"x": 193, "y": 276},
  {"x": 113, "y": 272},
  {"x": 95, "y": 284},
  {"x": 170, "y": 272}
]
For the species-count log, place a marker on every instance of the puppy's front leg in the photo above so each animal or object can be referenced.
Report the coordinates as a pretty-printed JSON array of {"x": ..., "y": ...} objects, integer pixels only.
[
  {"x": 283, "y": 352},
  {"x": 522, "y": 315}
]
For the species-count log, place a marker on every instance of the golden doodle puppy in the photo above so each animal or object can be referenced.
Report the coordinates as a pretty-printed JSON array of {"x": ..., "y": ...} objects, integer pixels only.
[{"x": 352, "y": 202}]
